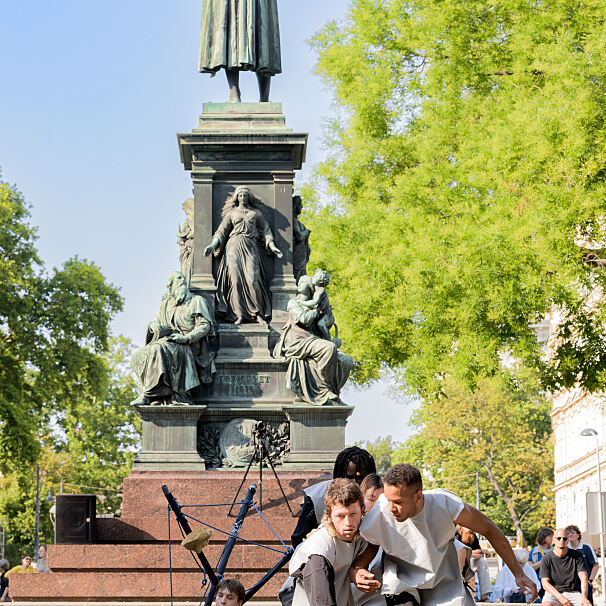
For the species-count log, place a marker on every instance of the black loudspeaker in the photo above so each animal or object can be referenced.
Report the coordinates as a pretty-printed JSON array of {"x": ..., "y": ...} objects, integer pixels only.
[{"x": 75, "y": 519}]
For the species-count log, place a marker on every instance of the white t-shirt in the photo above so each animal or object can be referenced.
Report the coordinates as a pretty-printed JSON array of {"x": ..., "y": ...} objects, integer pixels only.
[
  {"x": 339, "y": 554},
  {"x": 420, "y": 556}
]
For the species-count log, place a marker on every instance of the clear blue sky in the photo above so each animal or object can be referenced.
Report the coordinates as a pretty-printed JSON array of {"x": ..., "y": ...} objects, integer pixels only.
[{"x": 93, "y": 94}]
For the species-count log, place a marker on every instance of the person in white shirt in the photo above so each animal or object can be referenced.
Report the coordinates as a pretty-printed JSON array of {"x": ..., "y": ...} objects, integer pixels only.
[
  {"x": 416, "y": 531},
  {"x": 505, "y": 588}
]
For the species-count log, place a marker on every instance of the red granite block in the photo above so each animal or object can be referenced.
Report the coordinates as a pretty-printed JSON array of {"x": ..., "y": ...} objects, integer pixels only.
[
  {"x": 142, "y": 530},
  {"x": 124, "y": 586},
  {"x": 146, "y": 558},
  {"x": 143, "y": 495}
]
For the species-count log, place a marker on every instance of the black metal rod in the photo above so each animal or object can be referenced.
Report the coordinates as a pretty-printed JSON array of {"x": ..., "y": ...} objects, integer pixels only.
[
  {"x": 231, "y": 540},
  {"x": 182, "y": 520},
  {"x": 266, "y": 454},
  {"x": 251, "y": 592},
  {"x": 240, "y": 487}
]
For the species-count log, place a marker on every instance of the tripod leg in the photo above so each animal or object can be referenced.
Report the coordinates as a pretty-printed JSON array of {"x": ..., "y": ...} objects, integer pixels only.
[
  {"x": 266, "y": 454},
  {"x": 261, "y": 449},
  {"x": 240, "y": 487}
]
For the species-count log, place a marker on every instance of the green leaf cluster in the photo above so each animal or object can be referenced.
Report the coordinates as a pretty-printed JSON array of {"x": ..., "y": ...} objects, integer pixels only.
[
  {"x": 64, "y": 385},
  {"x": 463, "y": 198},
  {"x": 502, "y": 431}
]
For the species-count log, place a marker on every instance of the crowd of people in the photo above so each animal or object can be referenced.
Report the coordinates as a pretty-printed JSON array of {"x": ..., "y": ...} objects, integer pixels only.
[
  {"x": 368, "y": 540},
  {"x": 384, "y": 540},
  {"x": 26, "y": 566}
]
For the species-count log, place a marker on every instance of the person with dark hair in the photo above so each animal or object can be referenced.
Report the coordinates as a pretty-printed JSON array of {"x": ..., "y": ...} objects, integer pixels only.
[
  {"x": 589, "y": 557},
  {"x": 4, "y": 566},
  {"x": 372, "y": 489},
  {"x": 230, "y": 592},
  {"x": 563, "y": 574},
  {"x": 416, "y": 530},
  {"x": 478, "y": 563},
  {"x": 544, "y": 540},
  {"x": 320, "y": 565},
  {"x": 354, "y": 463}
]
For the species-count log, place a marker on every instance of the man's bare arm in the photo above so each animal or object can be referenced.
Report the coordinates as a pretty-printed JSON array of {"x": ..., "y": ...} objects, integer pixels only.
[
  {"x": 359, "y": 573},
  {"x": 549, "y": 588},
  {"x": 584, "y": 587},
  {"x": 471, "y": 518}
]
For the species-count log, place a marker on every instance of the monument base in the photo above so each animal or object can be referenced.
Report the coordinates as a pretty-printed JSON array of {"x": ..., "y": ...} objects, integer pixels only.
[{"x": 131, "y": 564}]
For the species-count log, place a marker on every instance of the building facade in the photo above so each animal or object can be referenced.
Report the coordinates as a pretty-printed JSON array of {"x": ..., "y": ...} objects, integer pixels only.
[{"x": 575, "y": 460}]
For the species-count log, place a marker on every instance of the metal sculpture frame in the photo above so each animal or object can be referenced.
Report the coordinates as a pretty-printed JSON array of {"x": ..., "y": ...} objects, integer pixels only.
[{"x": 215, "y": 575}]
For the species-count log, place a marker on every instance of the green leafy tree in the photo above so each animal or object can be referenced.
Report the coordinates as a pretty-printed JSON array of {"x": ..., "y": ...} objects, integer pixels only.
[
  {"x": 503, "y": 432},
  {"x": 382, "y": 450},
  {"x": 64, "y": 387},
  {"x": 463, "y": 198}
]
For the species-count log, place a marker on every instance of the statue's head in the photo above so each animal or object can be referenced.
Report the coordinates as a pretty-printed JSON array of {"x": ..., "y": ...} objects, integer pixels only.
[
  {"x": 304, "y": 287},
  {"x": 177, "y": 285},
  {"x": 321, "y": 277},
  {"x": 242, "y": 196},
  {"x": 297, "y": 205}
]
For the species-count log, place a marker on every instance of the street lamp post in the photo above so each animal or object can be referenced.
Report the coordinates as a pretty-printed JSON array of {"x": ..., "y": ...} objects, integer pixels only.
[
  {"x": 37, "y": 530},
  {"x": 592, "y": 432}
]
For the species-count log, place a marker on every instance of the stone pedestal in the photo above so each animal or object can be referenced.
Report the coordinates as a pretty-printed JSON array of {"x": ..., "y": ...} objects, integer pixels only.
[
  {"x": 188, "y": 447},
  {"x": 169, "y": 437},
  {"x": 243, "y": 144},
  {"x": 130, "y": 562}
]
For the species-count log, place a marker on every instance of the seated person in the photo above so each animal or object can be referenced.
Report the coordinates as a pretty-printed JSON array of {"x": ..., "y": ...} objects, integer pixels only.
[
  {"x": 230, "y": 593},
  {"x": 505, "y": 588},
  {"x": 25, "y": 566},
  {"x": 563, "y": 574},
  {"x": 478, "y": 563},
  {"x": 320, "y": 565}
]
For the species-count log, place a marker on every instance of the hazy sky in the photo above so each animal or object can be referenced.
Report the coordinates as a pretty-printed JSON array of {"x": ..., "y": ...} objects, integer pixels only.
[{"x": 93, "y": 94}]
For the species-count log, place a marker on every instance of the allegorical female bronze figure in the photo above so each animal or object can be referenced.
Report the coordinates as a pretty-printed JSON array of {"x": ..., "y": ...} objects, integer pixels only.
[
  {"x": 242, "y": 290},
  {"x": 241, "y": 35}
]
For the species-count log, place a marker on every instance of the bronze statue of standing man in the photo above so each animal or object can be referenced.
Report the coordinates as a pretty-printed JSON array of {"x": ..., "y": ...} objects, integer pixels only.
[{"x": 241, "y": 35}]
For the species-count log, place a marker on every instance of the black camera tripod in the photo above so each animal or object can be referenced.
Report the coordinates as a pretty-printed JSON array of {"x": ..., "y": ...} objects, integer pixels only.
[{"x": 259, "y": 454}]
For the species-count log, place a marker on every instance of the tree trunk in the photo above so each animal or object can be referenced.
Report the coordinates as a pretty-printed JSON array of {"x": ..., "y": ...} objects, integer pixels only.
[{"x": 508, "y": 502}]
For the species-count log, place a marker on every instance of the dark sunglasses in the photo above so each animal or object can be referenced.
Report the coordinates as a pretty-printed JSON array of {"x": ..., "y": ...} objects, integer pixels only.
[{"x": 561, "y": 538}]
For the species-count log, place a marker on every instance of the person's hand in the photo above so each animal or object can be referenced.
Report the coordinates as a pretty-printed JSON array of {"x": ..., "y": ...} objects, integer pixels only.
[
  {"x": 178, "y": 338},
  {"x": 365, "y": 581},
  {"x": 585, "y": 601},
  {"x": 566, "y": 602},
  {"x": 209, "y": 249},
  {"x": 527, "y": 586}
]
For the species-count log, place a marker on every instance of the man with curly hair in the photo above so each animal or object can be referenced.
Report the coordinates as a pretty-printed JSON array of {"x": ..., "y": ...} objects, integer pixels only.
[{"x": 320, "y": 565}]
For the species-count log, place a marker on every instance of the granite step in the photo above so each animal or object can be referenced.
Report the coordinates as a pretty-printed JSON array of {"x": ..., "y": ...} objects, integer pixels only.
[
  {"x": 147, "y": 558},
  {"x": 88, "y": 587}
]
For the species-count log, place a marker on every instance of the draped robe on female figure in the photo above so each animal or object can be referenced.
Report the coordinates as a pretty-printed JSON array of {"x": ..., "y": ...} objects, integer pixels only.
[
  {"x": 242, "y": 291},
  {"x": 240, "y": 34}
]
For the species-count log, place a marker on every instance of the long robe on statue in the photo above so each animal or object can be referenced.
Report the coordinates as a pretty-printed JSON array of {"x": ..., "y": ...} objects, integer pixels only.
[
  {"x": 242, "y": 290},
  {"x": 240, "y": 34},
  {"x": 420, "y": 556},
  {"x": 339, "y": 554},
  {"x": 317, "y": 370},
  {"x": 163, "y": 366}
]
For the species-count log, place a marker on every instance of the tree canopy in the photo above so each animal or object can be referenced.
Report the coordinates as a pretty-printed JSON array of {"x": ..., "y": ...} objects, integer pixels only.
[
  {"x": 463, "y": 197},
  {"x": 64, "y": 388},
  {"x": 502, "y": 431}
]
